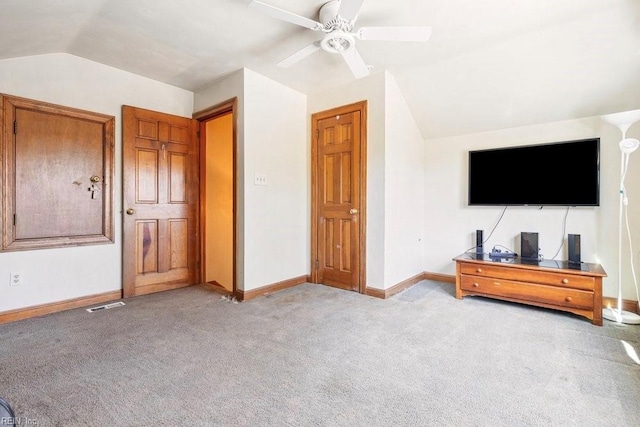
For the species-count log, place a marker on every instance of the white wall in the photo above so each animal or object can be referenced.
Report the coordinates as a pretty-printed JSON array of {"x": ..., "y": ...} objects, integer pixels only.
[
  {"x": 450, "y": 224},
  {"x": 51, "y": 275},
  {"x": 371, "y": 89},
  {"x": 404, "y": 198},
  {"x": 273, "y": 140},
  {"x": 395, "y": 176},
  {"x": 277, "y": 233}
]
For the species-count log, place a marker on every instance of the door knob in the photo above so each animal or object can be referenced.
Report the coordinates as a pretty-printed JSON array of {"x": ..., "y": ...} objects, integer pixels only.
[
  {"x": 353, "y": 211},
  {"x": 95, "y": 178},
  {"x": 130, "y": 211}
]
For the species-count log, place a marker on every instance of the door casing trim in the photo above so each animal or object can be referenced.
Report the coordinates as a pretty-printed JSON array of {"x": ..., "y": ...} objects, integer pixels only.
[{"x": 225, "y": 107}]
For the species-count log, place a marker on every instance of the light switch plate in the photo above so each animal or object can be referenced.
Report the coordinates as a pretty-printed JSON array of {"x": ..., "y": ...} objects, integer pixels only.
[{"x": 260, "y": 179}]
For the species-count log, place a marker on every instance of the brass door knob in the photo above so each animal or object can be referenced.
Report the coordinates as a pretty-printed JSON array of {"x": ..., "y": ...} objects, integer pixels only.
[
  {"x": 130, "y": 211},
  {"x": 95, "y": 178},
  {"x": 353, "y": 211}
]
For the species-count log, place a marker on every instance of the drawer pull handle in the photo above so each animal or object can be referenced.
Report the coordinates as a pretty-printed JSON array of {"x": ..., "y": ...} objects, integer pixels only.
[
  {"x": 479, "y": 270},
  {"x": 565, "y": 281},
  {"x": 568, "y": 299},
  {"x": 475, "y": 284}
]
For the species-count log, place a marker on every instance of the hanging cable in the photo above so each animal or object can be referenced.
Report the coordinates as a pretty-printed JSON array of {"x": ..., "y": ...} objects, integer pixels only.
[
  {"x": 564, "y": 228},
  {"x": 492, "y": 230}
]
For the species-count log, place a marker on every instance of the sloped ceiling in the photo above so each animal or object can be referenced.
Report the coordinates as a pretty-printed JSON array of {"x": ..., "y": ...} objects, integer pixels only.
[{"x": 488, "y": 65}]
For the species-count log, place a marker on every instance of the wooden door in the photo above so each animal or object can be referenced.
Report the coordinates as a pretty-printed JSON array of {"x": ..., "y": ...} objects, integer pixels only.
[
  {"x": 338, "y": 197},
  {"x": 57, "y": 168},
  {"x": 51, "y": 153},
  {"x": 160, "y": 163}
]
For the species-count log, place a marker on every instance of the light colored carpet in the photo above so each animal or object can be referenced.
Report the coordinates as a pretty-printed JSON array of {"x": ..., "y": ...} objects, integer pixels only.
[{"x": 318, "y": 356}]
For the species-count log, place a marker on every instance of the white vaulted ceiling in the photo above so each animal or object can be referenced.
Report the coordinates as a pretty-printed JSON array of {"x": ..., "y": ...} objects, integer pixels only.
[{"x": 489, "y": 64}]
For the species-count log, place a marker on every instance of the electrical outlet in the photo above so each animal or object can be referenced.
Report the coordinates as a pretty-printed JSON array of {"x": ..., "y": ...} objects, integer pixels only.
[
  {"x": 260, "y": 179},
  {"x": 16, "y": 279}
]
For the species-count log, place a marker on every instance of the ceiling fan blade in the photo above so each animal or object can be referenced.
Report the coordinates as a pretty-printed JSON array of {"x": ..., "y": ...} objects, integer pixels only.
[
  {"x": 349, "y": 9},
  {"x": 299, "y": 55},
  {"x": 276, "y": 12},
  {"x": 355, "y": 62},
  {"x": 400, "y": 34}
]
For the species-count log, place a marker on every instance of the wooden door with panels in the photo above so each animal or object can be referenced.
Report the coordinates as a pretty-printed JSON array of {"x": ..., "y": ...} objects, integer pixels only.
[
  {"x": 56, "y": 181},
  {"x": 160, "y": 186},
  {"x": 339, "y": 197}
]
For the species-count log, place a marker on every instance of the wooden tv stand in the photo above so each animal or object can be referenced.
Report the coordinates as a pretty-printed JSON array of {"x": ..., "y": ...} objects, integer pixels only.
[{"x": 551, "y": 284}]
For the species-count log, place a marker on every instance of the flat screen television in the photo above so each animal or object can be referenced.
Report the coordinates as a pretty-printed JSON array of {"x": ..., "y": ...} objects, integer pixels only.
[{"x": 555, "y": 174}]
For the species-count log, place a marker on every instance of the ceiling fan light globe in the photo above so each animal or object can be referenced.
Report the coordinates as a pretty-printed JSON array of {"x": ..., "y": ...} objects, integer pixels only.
[
  {"x": 337, "y": 41},
  {"x": 629, "y": 145}
]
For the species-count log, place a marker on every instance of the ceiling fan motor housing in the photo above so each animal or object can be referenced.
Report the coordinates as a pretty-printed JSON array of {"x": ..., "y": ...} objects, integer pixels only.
[
  {"x": 337, "y": 28},
  {"x": 331, "y": 20}
]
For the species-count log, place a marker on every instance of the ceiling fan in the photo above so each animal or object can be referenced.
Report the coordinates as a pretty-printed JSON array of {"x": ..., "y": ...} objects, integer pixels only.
[{"x": 337, "y": 20}]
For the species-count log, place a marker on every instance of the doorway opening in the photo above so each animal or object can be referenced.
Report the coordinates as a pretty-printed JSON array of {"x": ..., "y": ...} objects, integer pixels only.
[{"x": 218, "y": 196}]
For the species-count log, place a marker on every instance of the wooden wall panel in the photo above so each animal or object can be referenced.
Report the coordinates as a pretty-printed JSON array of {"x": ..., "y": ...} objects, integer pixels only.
[
  {"x": 147, "y": 246},
  {"x": 329, "y": 189},
  {"x": 147, "y": 129},
  {"x": 178, "y": 178},
  {"x": 346, "y": 133},
  {"x": 56, "y": 177},
  {"x": 345, "y": 245},
  {"x": 178, "y": 134},
  {"x": 346, "y": 183},
  {"x": 329, "y": 257},
  {"x": 178, "y": 242},
  {"x": 146, "y": 188}
]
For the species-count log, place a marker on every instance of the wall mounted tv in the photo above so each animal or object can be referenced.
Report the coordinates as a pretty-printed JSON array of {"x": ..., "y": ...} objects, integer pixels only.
[{"x": 556, "y": 174}]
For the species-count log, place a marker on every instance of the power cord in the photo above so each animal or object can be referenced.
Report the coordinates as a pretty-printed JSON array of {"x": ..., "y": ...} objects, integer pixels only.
[
  {"x": 564, "y": 229},
  {"x": 492, "y": 230}
]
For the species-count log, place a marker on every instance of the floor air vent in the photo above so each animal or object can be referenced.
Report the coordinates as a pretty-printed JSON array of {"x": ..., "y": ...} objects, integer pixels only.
[{"x": 106, "y": 306}]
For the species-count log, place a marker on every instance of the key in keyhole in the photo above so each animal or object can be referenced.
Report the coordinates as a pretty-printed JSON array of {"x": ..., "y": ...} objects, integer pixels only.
[{"x": 93, "y": 190}]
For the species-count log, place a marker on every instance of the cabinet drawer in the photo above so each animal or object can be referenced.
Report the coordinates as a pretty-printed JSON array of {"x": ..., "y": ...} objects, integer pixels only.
[
  {"x": 528, "y": 292},
  {"x": 526, "y": 275}
]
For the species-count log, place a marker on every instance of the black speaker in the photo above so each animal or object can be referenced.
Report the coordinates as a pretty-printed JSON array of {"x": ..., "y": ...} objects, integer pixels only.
[
  {"x": 529, "y": 245},
  {"x": 479, "y": 248},
  {"x": 574, "y": 249}
]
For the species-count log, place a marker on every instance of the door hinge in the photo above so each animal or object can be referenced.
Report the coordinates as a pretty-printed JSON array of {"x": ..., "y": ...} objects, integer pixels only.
[
  {"x": 317, "y": 264},
  {"x": 15, "y": 127},
  {"x": 317, "y": 133},
  {"x": 14, "y": 219}
]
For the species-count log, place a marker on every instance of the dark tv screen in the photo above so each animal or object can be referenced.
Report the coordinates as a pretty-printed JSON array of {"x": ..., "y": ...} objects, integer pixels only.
[{"x": 556, "y": 174}]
